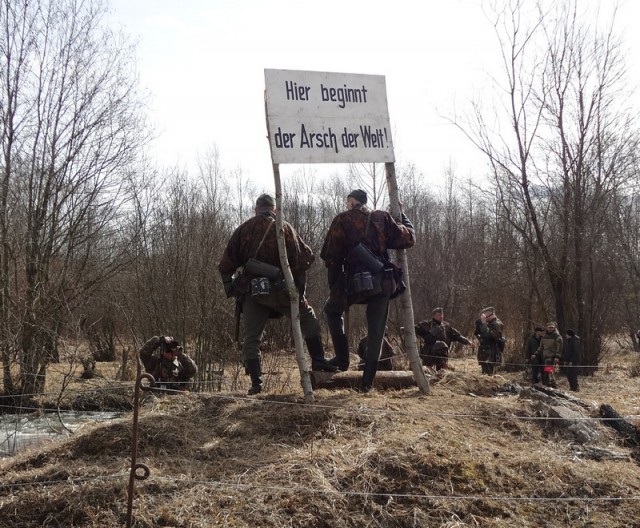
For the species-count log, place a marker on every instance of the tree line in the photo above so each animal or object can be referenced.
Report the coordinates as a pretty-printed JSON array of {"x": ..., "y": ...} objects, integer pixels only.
[{"x": 96, "y": 243}]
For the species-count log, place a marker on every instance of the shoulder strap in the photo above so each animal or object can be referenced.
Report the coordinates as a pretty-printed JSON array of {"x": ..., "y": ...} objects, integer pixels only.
[
  {"x": 353, "y": 236},
  {"x": 264, "y": 236},
  {"x": 366, "y": 229}
]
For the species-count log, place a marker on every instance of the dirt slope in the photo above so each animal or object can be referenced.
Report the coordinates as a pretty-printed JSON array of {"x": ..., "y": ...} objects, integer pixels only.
[{"x": 469, "y": 454}]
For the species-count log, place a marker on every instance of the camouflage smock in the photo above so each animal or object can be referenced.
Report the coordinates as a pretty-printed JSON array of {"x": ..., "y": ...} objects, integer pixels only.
[
  {"x": 348, "y": 229},
  {"x": 245, "y": 244}
]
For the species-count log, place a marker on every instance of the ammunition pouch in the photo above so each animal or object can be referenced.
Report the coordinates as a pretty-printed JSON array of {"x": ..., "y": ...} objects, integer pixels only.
[
  {"x": 392, "y": 282},
  {"x": 260, "y": 286},
  {"x": 362, "y": 282},
  {"x": 269, "y": 279},
  {"x": 374, "y": 275}
]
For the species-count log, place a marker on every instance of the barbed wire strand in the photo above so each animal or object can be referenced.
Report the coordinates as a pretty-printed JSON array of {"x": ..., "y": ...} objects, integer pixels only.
[
  {"x": 238, "y": 486},
  {"x": 360, "y": 411}
]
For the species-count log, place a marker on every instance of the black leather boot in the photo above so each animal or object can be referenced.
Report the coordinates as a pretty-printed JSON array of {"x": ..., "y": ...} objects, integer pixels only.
[
  {"x": 368, "y": 375},
  {"x": 316, "y": 351},
  {"x": 254, "y": 369},
  {"x": 341, "y": 359}
]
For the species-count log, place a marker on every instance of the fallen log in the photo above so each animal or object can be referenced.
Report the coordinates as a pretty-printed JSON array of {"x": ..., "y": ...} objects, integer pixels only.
[
  {"x": 556, "y": 393},
  {"x": 563, "y": 418},
  {"x": 629, "y": 432},
  {"x": 597, "y": 453},
  {"x": 352, "y": 379}
]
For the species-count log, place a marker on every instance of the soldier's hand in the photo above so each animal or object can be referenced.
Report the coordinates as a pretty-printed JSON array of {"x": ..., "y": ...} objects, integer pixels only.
[
  {"x": 404, "y": 220},
  {"x": 483, "y": 318},
  {"x": 228, "y": 288}
]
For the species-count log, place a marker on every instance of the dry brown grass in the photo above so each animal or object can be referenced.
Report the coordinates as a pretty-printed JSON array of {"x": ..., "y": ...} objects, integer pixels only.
[{"x": 463, "y": 456}]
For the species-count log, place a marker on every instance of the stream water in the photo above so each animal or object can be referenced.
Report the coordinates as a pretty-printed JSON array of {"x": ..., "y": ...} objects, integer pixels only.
[{"x": 18, "y": 431}]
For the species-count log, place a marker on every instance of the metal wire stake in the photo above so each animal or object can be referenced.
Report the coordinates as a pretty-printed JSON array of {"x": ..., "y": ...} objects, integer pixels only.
[{"x": 134, "y": 475}]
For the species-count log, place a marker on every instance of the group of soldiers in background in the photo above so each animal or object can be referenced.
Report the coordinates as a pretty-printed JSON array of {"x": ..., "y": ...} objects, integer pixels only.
[
  {"x": 438, "y": 334},
  {"x": 545, "y": 350}
]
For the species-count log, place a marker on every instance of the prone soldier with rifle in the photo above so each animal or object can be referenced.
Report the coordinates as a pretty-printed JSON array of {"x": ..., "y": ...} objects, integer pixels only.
[{"x": 250, "y": 270}]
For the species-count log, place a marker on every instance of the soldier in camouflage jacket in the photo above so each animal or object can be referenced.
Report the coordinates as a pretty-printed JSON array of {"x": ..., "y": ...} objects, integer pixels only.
[
  {"x": 256, "y": 238},
  {"x": 549, "y": 353},
  {"x": 489, "y": 333},
  {"x": 434, "y": 330},
  {"x": 378, "y": 232},
  {"x": 166, "y": 361}
]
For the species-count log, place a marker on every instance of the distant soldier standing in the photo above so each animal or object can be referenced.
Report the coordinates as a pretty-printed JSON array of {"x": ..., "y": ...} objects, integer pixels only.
[
  {"x": 549, "y": 353},
  {"x": 256, "y": 240},
  {"x": 530, "y": 356},
  {"x": 434, "y": 332},
  {"x": 489, "y": 333},
  {"x": 571, "y": 359}
]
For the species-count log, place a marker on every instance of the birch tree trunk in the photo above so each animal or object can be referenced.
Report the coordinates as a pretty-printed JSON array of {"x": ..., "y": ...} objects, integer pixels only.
[
  {"x": 411, "y": 343},
  {"x": 305, "y": 378}
]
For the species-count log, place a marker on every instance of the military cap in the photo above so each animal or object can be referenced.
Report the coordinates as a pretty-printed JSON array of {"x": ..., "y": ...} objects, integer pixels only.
[
  {"x": 571, "y": 333},
  {"x": 538, "y": 329},
  {"x": 265, "y": 200},
  {"x": 359, "y": 195},
  {"x": 552, "y": 323},
  {"x": 488, "y": 309},
  {"x": 439, "y": 309},
  {"x": 439, "y": 345}
]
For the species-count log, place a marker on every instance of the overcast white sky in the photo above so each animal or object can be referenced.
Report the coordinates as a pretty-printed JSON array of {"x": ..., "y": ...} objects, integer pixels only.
[{"x": 203, "y": 63}]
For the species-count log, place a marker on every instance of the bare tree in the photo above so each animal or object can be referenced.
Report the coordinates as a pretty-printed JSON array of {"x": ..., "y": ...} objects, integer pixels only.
[
  {"x": 71, "y": 127},
  {"x": 371, "y": 178},
  {"x": 624, "y": 263},
  {"x": 566, "y": 150}
]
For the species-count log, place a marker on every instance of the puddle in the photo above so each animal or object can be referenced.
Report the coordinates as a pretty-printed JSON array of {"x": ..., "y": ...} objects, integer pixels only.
[{"x": 18, "y": 431}]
